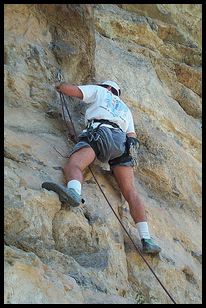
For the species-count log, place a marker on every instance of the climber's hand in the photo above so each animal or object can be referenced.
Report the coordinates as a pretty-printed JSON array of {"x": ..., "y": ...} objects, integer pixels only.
[
  {"x": 59, "y": 86},
  {"x": 132, "y": 146}
]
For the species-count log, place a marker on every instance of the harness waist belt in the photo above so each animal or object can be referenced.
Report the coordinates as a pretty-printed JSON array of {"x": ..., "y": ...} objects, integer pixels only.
[{"x": 103, "y": 121}]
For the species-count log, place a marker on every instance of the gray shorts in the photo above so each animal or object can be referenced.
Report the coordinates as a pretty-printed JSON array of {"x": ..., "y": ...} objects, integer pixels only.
[{"x": 108, "y": 145}]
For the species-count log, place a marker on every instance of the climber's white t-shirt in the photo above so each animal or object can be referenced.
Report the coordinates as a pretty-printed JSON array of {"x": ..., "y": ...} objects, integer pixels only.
[{"x": 105, "y": 105}]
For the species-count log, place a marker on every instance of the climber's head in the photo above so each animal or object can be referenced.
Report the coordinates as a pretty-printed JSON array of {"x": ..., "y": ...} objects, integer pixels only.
[{"x": 115, "y": 89}]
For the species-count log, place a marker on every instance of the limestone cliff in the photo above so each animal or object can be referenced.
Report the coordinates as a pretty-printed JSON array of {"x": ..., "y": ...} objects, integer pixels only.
[{"x": 57, "y": 255}]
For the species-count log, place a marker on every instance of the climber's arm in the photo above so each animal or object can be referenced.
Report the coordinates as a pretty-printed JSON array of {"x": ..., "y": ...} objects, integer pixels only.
[{"x": 69, "y": 89}]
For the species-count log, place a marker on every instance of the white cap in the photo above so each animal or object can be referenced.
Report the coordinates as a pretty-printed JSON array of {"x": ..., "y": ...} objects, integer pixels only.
[{"x": 113, "y": 85}]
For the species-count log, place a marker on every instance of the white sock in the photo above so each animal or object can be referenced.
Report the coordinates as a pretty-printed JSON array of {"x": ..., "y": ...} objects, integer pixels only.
[
  {"x": 76, "y": 185},
  {"x": 143, "y": 230}
]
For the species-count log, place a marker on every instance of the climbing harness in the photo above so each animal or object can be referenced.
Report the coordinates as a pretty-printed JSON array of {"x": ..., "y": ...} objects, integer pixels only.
[
  {"x": 60, "y": 79},
  {"x": 92, "y": 134}
]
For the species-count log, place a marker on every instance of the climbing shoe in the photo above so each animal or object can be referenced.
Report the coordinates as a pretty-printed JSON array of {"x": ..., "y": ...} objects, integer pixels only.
[
  {"x": 66, "y": 195},
  {"x": 149, "y": 247}
]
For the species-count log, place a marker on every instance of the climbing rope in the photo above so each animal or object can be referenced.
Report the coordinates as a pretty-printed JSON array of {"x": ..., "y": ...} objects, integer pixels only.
[{"x": 63, "y": 103}]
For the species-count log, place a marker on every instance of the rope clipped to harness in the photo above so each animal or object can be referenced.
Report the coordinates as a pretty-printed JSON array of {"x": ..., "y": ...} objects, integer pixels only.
[{"x": 91, "y": 132}]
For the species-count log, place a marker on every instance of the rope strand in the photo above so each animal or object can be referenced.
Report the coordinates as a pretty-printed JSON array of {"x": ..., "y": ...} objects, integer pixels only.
[{"x": 136, "y": 247}]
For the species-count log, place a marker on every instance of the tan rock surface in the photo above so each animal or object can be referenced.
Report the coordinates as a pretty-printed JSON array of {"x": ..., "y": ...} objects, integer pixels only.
[{"x": 82, "y": 255}]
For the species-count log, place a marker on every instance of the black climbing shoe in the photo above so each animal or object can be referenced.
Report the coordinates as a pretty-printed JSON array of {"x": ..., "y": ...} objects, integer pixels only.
[
  {"x": 149, "y": 246},
  {"x": 66, "y": 195}
]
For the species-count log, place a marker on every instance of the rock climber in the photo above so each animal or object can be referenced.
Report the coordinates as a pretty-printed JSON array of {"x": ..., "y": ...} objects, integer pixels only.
[{"x": 110, "y": 137}]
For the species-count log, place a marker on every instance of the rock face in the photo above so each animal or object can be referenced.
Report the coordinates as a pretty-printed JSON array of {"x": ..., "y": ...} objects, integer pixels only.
[{"x": 82, "y": 255}]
